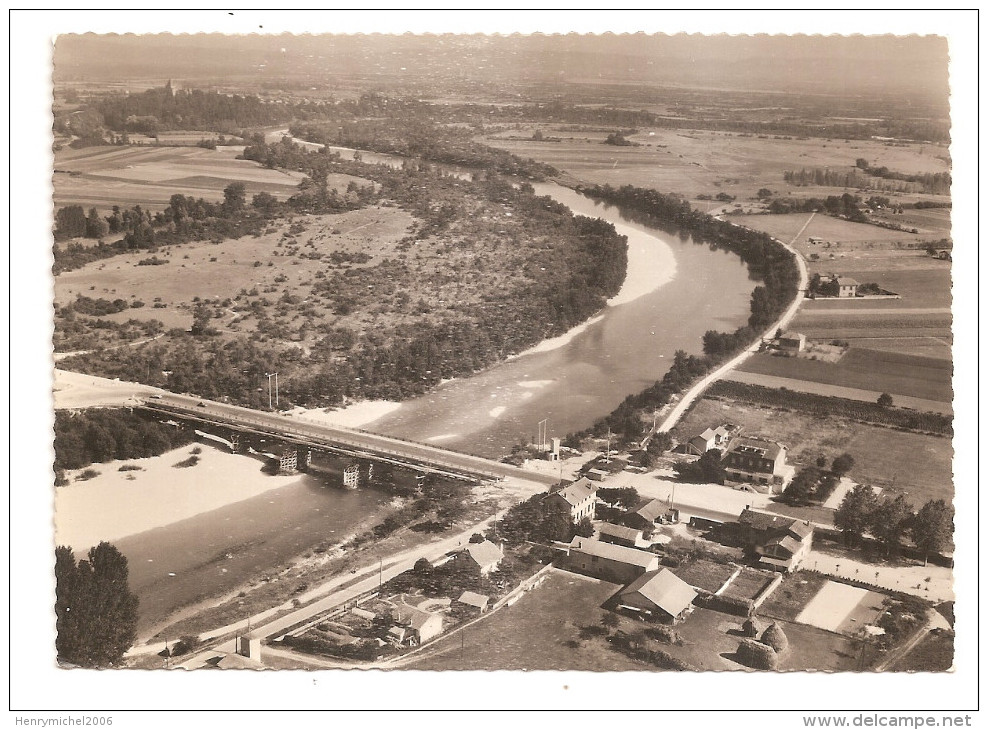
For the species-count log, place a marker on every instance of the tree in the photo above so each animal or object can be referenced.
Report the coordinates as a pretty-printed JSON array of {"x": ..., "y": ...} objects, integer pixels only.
[
  {"x": 890, "y": 520},
  {"x": 885, "y": 400},
  {"x": 933, "y": 527},
  {"x": 70, "y": 222},
  {"x": 842, "y": 465},
  {"x": 802, "y": 487},
  {"x": 96, "y": 227},
  {"x": 854, "y": 515},
  {"x": 584, "y": 528},
  {"x": 234, "y": 197},
  {"x": 476, "y": 538},
  {"x": 764, "y": 193},
  {"x": 95, "y": 611}
]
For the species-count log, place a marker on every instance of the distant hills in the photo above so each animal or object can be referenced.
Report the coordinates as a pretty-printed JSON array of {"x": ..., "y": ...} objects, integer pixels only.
[{"x": 913, "y": 66}]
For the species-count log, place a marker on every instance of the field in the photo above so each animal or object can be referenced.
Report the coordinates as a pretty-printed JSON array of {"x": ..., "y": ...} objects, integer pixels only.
[
  {"x": 916, "y": 465},
  {"x": 705, "y": 574},
  {"x": 149, "y": 176},
  {"x": 842, "y": 235},
  {"x": 872, "y": 370},
  {"x": 543, "y": 632},
  {"x": 692, "y": 162},
  {"x": 841, "y": 608},
  {"x": 219, "y": 271},
  {"x": 795, "y": 591},
  {"x": 539, "y": 632}
]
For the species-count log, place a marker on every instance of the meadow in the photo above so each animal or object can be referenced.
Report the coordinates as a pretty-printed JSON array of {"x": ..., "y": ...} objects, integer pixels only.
[
  {"x": 693, "y": 162},
  {"x": 102, "y": 177}
]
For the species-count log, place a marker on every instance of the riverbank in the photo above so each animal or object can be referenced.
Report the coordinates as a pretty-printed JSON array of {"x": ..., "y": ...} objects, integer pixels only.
[
  {"x": 117, "y": 504},
  {"x": 355, "y": 415}
]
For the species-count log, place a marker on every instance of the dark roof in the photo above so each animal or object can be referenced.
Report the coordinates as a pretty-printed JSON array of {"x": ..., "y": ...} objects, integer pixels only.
[
  {"x": 765, "y": 520},
  {"x": 670, "y": 593},
  {"x": 789, "y": 543},
  {"x": 744, "y": 444}
]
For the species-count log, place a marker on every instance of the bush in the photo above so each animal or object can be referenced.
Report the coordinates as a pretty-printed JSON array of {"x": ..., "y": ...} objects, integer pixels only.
[
  {"x": 130, "y": 467},
  {"x": 185, "y": 645},
  {"x": 86, "y": 475},
  {"x": 727, "y": 604},
  {"x": 186, "y": 463},
  {"x": 756, "y": 655},
  {"x": 665, "y": 634}
]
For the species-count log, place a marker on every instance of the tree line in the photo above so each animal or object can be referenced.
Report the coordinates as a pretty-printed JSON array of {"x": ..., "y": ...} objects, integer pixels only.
[
  {"x": 863, "y": 176},
  {"x": 891, "y": 519}
]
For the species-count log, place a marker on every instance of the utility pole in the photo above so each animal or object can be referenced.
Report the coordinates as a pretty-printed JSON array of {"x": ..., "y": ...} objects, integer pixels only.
[
  {"x": 380, "y": 576},
  {"x": 607, "y": 459},
  {"x": 276, "y": 401},
  {"x": 542, "y": 434},
  {"x": 269, "y": 389}
]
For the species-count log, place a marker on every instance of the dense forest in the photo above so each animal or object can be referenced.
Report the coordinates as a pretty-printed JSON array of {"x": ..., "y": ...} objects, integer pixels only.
[
  {"x": 586, "y": 258},
  {"x": 98, "y": 435},
  {"x": 767, "y": 260}
]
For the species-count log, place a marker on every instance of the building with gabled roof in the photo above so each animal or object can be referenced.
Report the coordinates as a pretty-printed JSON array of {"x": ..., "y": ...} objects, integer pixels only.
[
  {"x": 620, "y": 535},
  {"x": 757, "y": 461},
  {"x": 660, "y": 595},
  {"x": 607, "y": 561},
  {"x": 474, "y": 600},
  {"x": 485, "y": 555},
  {"x": 846, "y": 286},
  {"x": 781, "y": 543},
  {"x": 413, "y": 626},
  {"x": 578, "y": 498}
]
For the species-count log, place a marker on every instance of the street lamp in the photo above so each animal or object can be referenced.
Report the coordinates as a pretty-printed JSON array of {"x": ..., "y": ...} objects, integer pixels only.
[{"x": 276, "y": 400}]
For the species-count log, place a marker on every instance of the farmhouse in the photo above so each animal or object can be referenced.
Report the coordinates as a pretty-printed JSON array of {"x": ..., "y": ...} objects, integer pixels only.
[
  {"x": 659, "y": 595},
  {"x": 606, "y": 561},
  {"x": 579, "y": 499},
  {"x": 780, "y": 542},
  {"x": 485, "y": 555},
  {"x": 712, "y": 438},
  {"x": 757, "y": 461},
  {"x": 413, "y": 627},
  {"x": 846, "y": 286},
  {"x": 792, "y": 342},
  {"x": 618, "y": 535}
]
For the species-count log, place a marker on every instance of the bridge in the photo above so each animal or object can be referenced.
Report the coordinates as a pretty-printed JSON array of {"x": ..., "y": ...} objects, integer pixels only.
[{"x": 347, "y": 441}]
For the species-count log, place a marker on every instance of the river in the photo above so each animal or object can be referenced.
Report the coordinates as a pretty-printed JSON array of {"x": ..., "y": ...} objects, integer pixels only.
[{"x": 675, "y": 291}]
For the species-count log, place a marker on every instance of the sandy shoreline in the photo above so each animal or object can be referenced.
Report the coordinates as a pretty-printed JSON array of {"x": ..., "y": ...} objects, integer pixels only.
[
  {"x": 112, "y": 506},
  {"x": 354, "y": 415}
]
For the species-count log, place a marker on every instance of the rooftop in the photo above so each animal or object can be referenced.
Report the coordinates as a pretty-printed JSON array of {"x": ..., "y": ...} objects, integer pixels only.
[
  {"x": 628, "y": 533},
  {"x": 665, "y": 590},
  {"x": 577, "y": 492},
  {"x": 474, "y": 599},
  {"x": 653, "y": 510},
  {"x": 758, "y": 447},
  {"x": 484, "y": 553},
  {"x": 631, "y": 556}
]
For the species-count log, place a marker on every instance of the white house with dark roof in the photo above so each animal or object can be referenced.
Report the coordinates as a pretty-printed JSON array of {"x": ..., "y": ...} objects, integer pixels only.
[
  {"x": 757, "y": 461},
  {"x": 660, "y": 595},
  {"x": 474, "y": 600},
  {"x": 578, "y": 498},
  {"x": 781, "y": 543},
  {"x": 413, "y": 626}
]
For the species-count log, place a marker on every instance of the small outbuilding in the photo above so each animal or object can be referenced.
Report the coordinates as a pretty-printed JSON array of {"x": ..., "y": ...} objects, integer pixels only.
[{"x": 659, "y": 595}]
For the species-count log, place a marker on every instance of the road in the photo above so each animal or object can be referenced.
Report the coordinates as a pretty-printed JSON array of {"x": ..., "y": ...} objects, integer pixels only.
[
  {"x": 303, "y": 429},
  {"x": 693, "y": 393},
  {"x": 328, "y": 595}
]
